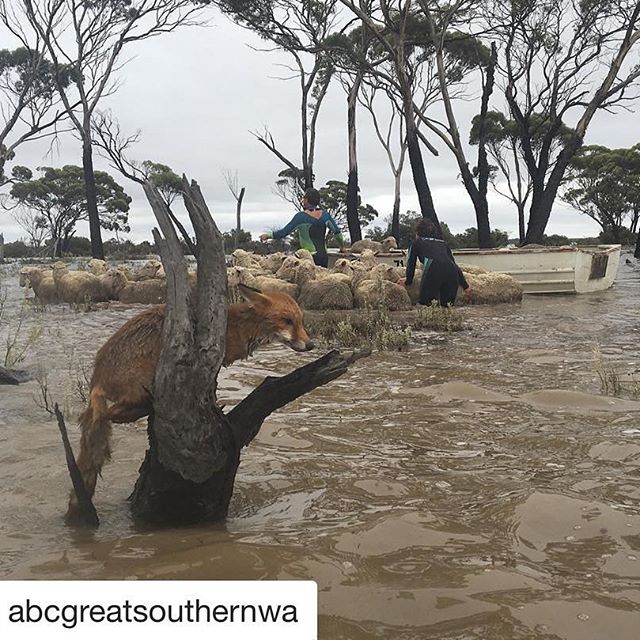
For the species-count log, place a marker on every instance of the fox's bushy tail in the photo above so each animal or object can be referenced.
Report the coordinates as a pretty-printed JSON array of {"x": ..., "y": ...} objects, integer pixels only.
[{"x": 95, "y": 448}]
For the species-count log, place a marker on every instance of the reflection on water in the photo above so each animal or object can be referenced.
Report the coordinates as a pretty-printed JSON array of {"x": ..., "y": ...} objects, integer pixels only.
[{"x": 479, "y": 486}]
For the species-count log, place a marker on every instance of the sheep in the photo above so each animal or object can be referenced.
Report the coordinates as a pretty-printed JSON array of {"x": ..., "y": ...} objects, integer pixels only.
[
  {"x": 97, "y": 267},
  {"x": 25, "y": 275},
  {"x": 272, "y": 262},
  {"x": 492, "y": 288},
  {"x": 113, "y": 281},
  {"x": 266, "y": 284},
  {"x": 374, "y": 293},
  {"x": 44, "y": 286},
  {"x": 373, "y": 245},
  {"x": 77, "y": 286},
  {"x": 330, "y": 292},
  {"x": 296, "y": 270},
  {"x": 386, "y": 272},
  {"x": 304, "y": 254},
  {"x": 242, "y": 258},
  {"x": 148, "y": 271},
  {"x": 144, "y": 292},
  {"x": 368, "y": 259}
]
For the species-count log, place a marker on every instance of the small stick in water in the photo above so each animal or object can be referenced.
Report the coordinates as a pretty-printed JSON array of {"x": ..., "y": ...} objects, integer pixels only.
[{"x": 87, "y": 514}]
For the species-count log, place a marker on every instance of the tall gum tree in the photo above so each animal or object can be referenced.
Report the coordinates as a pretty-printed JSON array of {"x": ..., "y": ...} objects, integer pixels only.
[
  {"x": 559, "y": 63},
  {"x": 299, "y": 29},
  {"x": 393, "y": 27},
  {"x": 89, "y": 38},
  {"x": 30, "y": 107}
]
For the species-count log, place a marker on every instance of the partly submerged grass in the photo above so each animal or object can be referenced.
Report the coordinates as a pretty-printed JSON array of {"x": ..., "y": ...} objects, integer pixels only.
[
  {"x": 378, "y": 328},
  {"x": 612, "y": 381}
]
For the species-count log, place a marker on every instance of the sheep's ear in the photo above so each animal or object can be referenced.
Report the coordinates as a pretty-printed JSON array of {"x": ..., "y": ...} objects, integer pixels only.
[{"x": 251, "y": 295}]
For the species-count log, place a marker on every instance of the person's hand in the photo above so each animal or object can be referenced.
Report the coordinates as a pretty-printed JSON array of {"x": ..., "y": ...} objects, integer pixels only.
[
  {"x": 344, "y": 249},
  {"x": 402, "y": 282},
  {"x": 467, "y": 293},
  {"x": 264, "y": 237}
]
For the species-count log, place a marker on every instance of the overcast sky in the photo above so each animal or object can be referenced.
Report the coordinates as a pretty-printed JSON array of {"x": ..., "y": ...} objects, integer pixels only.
[{"x": 195, "y": 95}]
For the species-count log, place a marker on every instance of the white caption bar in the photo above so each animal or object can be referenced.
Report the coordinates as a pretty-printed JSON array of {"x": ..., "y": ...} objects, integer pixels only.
[{"x": 158, "y": 609}]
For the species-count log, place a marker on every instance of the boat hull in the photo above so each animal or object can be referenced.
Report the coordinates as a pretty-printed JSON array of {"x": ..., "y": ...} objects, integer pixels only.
[{"x": 538, "y": 269}]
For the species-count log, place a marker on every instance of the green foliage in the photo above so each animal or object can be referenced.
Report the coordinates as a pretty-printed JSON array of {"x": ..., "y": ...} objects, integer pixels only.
[
  {"x": 604, "y": 184},
  {"x": 57, "y": 199},
  {"x": 555, "y": 240},
  {"x": 78, "y": 246},
  {"x": 407, "y": 230},
  {"x": 18, "y": 249},
  {"x": 168, "y": 183},
  {"x": 333, "y": 197},
  {"x": 622, "y": 236},
  {"x": 499, "y": 130},
  {"x": 125, "y": 249},
  {"x": 229, "y": 239},
  {"x": 469, "y": 239},
  {"x": 26, "y": 72}
]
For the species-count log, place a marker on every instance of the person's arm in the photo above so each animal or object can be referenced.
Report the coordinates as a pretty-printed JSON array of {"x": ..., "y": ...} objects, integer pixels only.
[
  {"x": 290, "y": 227},
  {"x": 462, "y": 281},
  {"x": 332, "y": 225},
  {"x": 411, "y": 265}
]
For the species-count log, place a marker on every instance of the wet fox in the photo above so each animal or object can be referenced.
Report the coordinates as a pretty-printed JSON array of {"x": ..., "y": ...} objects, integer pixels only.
[{"x": 125, "y": 367}]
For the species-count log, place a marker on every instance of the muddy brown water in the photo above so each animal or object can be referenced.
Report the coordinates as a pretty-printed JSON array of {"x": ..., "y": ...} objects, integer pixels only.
[{"x": 478, "y": 486}]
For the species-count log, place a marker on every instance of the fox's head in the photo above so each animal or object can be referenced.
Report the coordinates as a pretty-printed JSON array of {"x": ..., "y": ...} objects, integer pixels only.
[{"x": 280, "y": 317}]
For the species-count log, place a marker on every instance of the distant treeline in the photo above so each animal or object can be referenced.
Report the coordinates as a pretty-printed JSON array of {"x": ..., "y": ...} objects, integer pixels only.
[{"x": 128, "y": 250}]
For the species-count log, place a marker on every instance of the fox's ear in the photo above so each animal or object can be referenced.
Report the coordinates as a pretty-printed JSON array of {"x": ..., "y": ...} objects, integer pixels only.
[{"x": 251, "y": 295}]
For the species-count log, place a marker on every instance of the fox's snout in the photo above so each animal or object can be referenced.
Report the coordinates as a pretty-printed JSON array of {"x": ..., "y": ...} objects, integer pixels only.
[{"x": 300, "y": 345}]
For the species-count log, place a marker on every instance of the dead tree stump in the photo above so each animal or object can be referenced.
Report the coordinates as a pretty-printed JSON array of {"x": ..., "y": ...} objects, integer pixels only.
[{"x": 194, "y": 448}]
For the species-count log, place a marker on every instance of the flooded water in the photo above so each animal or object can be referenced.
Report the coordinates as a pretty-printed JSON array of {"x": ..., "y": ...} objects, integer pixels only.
[{"x": 478, "y": 486}]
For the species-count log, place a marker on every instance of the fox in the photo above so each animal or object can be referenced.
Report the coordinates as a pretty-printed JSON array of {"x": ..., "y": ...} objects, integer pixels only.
[{"x": 119, "y": 390}]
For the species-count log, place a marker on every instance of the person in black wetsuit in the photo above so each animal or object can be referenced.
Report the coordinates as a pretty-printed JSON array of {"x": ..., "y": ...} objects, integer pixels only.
[
  {"x": 311, "y": 224},
  {"x": 440, "y": 273}
]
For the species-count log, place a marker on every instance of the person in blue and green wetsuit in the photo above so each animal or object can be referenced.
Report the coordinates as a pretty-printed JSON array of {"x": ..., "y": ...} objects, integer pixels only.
[
  {"x": 311, "y": 224},
  {"x": 440, "y": 273}
]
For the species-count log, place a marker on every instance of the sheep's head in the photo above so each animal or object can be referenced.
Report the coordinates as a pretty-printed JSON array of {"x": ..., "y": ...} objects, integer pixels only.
[
  {"x": 388, "y": 244},
  {"x": 59, "y": 270}
]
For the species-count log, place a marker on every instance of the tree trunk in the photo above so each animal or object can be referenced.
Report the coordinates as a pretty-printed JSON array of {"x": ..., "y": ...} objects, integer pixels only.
[
  {"x": 238, "y": 216},
  {"x": 97, "y": 250},
  {"x": 636, "y": 253},
  {"x": 482, "y": 219},
  {"x": 353, "y": 221},
  {"x": 189, "y": 470},
  {"x": 427, "y": 208},
  {"x": 482, "y": 206},
  {"x": 395, "y": 215},
  {"x": 521, "y": 222}
]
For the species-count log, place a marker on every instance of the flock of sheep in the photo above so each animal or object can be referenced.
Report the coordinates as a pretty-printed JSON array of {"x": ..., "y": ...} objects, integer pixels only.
[{"x": 351, "y": 283}]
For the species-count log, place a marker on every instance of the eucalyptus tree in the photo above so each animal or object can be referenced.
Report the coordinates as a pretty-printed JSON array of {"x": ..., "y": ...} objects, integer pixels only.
[
  {"x": 604, "y": 184},
  {"x": 561, "y": 62},
  {"x": 350, "y": 56},
  {"x": 56, "y": 202},
  {"x": 88, "y": 38},
  {"x": 29, "y": 104},
  {"x": 509, "y": 176},
  {"x": 458, "y": 54},
  {"x": 390, "y": 133},
  {"x": 405, "y": 67},
  {"x": 298, "y": 28}
]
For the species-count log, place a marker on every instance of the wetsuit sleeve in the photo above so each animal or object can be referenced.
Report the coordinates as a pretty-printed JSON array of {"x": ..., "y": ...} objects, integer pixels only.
[
  {"x": 290, "y": 227},
  {"x": 411, "y": 264},
  {"x": 462, "y": 281},
  {"x": 332, "y": 225}
]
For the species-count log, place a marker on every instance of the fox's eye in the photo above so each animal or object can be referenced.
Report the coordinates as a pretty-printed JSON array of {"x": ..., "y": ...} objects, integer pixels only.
[{"x": 288, "y": 321}]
